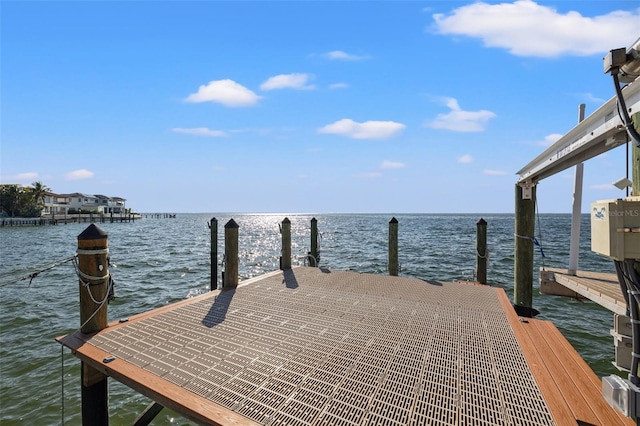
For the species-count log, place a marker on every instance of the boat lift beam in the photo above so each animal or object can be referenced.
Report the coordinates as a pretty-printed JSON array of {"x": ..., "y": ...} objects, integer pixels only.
[{"x": 601, "y": 131}]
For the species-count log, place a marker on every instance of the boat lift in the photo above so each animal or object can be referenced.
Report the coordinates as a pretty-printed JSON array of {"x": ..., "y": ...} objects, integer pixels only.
[{"x": 615, "y": 224}]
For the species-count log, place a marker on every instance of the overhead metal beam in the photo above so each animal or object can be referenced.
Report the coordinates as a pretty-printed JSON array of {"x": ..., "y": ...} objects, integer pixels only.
[{"x": 601, "y": 131}]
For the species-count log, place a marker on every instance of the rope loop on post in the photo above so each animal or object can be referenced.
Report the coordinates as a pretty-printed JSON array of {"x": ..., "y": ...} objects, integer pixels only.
[{"x": 93, "y": 251}]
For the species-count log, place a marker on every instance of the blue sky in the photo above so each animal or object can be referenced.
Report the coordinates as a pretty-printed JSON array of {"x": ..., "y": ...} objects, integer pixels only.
[{"x": 391, "y": 107}]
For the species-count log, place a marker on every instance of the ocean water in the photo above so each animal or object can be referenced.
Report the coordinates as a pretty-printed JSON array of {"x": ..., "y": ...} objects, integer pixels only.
[{"x": 159, "y": 261}]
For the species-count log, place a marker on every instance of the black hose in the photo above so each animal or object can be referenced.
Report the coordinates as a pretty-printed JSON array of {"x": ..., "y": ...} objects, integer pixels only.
[
  {"x": 623, "y": 284},
  {"x": 632, "y": 280},
  {"x": 626, "y": 120}
]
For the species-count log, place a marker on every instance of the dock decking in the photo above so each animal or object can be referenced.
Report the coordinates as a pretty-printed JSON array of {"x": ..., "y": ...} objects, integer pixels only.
[
  {"x": 600, "y": 287},
  {"x": 316, "y": 346}
]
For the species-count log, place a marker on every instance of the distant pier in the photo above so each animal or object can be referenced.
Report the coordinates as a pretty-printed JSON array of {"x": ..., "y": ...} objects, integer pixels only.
[{"x": 68, "y": 218}]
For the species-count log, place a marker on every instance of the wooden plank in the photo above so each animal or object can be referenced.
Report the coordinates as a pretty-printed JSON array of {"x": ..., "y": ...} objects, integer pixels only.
[
  {"x": 167, "y": 394},
  {"x": 567, "y": 375},
  {"x": 584, "y": 377},
  {"x": 559, "y": 410},
  {"x": 570, "y": 388}
]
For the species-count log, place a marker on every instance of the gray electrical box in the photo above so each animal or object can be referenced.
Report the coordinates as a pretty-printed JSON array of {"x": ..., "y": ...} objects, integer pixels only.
[{"x": 615, "y": 228}]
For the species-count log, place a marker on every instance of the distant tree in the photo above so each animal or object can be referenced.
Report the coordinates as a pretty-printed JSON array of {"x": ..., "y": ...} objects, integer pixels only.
[
  {"x": 38, "y": 191},
  {"x": 16, "y": 201}
]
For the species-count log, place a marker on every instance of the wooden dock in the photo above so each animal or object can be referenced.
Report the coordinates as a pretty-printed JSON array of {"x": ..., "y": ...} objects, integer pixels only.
[
  {"x": 600, "y": 287},
  {"x": 312, "y": 346}
]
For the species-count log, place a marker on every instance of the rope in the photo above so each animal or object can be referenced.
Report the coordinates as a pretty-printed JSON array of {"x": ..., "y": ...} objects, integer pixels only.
[
  {"x": 96, "y": 251},
  {"x": 101, "y": 303},
  {"x": 33, "y": 275},
  {"x": 109, "y": 295},
  {"x": 486, "y": 254},
  {"x": 535, "y": 242}
]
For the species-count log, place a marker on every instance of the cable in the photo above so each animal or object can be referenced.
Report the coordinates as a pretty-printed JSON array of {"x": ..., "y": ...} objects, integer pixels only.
[
  {"x": 631, "y": 279},
  {"x": 622, "y": 107},
  {"x": 33, "y": 275}
]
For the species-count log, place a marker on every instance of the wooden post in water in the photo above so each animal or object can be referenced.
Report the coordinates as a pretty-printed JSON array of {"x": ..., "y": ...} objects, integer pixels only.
[
  {"x": 214, "y": 253},
  {"x": 393, "y": 247},
  {"x": 481, "y": 251},
  {"x": 231, "y": 255},
  {"x": 285, "y": 230},
  {"x": 94, "y": 282},
  {"x": 524, "y": 233},
  {"x": 313, "y": 260}
]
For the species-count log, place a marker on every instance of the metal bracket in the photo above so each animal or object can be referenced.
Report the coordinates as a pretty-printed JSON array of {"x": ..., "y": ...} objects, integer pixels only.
[{"x": 527, "y": 189}]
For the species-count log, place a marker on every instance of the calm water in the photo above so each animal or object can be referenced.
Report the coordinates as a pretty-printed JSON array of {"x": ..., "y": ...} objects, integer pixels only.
[{"x": 160, "y": 261}]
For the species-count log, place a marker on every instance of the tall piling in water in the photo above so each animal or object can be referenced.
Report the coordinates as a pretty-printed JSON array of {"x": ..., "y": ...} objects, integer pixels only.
[
  {"x": 285, "y": 230},
  {"x": 482, "y": 253},
  {"x": 230, "y": 277},
  {"x": 392, "y": 264},
  {"x": 524, "y": 236},
  {"x": 94, "y": 286},
  {"x": 315, "y": 255},
  {"x": 213, "y": 226}
]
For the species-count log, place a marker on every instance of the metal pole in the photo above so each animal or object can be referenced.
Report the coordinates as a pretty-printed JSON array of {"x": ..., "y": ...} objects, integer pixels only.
[{"x": 574, "y": 246}]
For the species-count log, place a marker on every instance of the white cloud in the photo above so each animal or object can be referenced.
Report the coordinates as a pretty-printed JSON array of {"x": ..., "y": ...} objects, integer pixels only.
[
  {"x": 303, "y": 176},
  {"x": 525, "y": 28},
  {"x": 27, "y": 176},
  {"x": 366, "y": 130},
  {"x": 459, "y": 120},
  {"x": 226, "y": 92},
  {"x": 287, "y": 81},
  {"x": 339, "y": 55},
  {"x": 338, "y": 86},
  {"x": 386, "y": 164},
  {"x": 549, "y": 139},
  {"x": 589, "y": 97},
  {"x": 201, "y": 131},
  {"x": 79, "y": 174},
  {"x": 465, "y": 159},
  {"x": 603, "y": 187},
  {"x": 494, "y": 172}
]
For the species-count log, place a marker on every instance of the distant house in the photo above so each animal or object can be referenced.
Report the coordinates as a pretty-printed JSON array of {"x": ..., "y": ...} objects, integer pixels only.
[{"x": 77, "y": 202}]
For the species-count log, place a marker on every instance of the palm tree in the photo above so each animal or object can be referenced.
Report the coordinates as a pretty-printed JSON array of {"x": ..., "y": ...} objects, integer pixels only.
[{"x": 38, "y": 191}]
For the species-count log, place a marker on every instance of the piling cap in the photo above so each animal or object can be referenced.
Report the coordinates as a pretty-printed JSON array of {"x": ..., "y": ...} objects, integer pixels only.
[
  {"x": 313, "y": 219},
  {"x": 286, "y": 220},
  {"x": 393, "y": 220},
  {"x": 92, "y": 232},
  {"x": 481, "y": 222},
  {"x": 231, "y": 224}
]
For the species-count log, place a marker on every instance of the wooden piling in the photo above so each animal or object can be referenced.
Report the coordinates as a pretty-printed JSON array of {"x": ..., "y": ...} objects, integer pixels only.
[
  {"x": 214, "y": 253},
  {"x": 285, "y": 230},
  {"x": 230, "y": 277},
  {"x": 93, "y": 267},
  {"x": 524, "y": 234},
  {"x": 482, "y": 254},
  {"x": 315, "y": 255},
  {"x": 393, "y": 247}
]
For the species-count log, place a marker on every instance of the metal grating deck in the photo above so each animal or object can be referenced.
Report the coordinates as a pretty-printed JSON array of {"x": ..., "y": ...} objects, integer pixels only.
[{"x": 323, "y": 347}]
